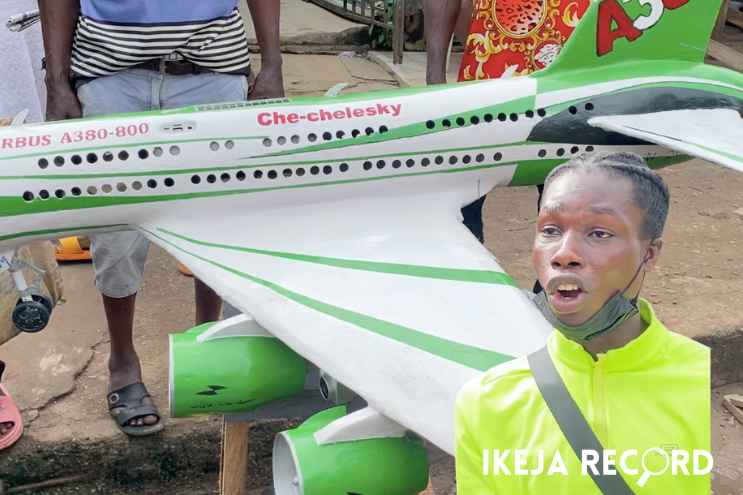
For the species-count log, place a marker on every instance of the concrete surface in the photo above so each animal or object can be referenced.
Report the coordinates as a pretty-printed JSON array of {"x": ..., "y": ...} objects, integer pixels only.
[
  {"x": 412, "y": 71},
  {"x": 306, "y": 23}
]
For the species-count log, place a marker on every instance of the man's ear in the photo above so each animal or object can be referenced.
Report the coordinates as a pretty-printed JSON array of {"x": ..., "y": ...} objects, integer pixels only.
[{"x": 653, "y": 253}]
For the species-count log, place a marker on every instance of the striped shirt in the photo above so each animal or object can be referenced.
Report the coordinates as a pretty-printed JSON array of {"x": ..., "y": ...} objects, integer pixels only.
[{"x": 113, "y": 35}]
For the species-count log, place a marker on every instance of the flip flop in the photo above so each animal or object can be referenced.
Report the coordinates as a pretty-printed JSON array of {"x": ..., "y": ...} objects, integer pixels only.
[
  {"x": 127, "y": 403},
  {"x": 9, "y": 413}
]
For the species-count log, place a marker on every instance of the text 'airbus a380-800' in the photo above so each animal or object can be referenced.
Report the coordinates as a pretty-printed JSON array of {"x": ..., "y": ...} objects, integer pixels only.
[{"x": 334, "y": 225}]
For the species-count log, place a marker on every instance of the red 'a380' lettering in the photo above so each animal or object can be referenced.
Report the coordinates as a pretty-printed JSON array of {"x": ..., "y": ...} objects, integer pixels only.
[{"x": 611, "y": 13}]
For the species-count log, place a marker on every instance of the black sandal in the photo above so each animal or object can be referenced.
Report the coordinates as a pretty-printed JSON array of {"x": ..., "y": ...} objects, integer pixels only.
[{"x": 127, "y": 403}]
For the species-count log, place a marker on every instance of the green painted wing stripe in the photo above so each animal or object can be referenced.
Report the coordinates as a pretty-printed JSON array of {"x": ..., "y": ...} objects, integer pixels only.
[
  {"x": 109, "y": 147},
  {"x": 32, "y": 233},
  {"x": 183, "y": 171},
  {"x": 458, "y": 274},
  {"x": 470, "y": 356},
  {"x": 16, "y": 205}
]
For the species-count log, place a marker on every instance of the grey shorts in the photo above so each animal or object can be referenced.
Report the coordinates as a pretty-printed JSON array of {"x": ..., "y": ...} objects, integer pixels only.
[{"x": 119, "y": 257}]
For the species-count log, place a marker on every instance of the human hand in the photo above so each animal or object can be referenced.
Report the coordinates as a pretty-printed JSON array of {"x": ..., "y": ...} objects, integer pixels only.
[
  {"x": 62, "y": 102},
  {"x": 268, "y": 84}
]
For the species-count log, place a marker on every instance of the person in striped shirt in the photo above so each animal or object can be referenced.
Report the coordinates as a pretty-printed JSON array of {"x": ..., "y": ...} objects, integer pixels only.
[{"x": 115, "y": 56}]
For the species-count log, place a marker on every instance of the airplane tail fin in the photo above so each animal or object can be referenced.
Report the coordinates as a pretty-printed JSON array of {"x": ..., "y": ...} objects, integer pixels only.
[{"x": 616, "y": 31}]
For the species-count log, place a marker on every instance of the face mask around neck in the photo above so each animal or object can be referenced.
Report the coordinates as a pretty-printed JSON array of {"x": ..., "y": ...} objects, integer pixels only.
[{"x": 612, "y": 314}]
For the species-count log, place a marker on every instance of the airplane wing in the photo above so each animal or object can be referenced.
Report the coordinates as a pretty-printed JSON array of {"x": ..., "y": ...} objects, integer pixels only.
[
  {"x": 713, "y": 135},
  {"x": 393, "y": 297}
]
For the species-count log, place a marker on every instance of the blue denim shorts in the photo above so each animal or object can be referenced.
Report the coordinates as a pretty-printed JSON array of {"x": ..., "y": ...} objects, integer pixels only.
[{"x": 119, "y": 257}]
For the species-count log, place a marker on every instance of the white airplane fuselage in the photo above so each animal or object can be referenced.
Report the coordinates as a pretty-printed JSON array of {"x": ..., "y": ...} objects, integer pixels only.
[{"x": 112, "y": 172}]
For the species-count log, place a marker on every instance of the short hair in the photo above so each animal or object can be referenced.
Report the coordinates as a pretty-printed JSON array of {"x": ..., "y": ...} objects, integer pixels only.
[{"x": 650, "y": 191}]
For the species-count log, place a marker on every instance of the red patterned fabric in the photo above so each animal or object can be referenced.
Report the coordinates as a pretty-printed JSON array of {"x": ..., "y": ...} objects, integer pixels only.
[{"x": 516, "y": 37}]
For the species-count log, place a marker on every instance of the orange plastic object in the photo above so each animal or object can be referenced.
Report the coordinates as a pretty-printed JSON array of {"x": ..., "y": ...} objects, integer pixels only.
[
  {"x": 184, "y": 270},
  {"x": 71, "y": 249}
]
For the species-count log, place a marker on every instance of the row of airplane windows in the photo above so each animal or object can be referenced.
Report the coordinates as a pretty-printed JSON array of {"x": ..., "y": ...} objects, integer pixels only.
[
  {"x": 241, "y": 175},
  {"x": 124, "y": 155},
  {"x": 325, "y": 136},
  {"x": 430, "y": 124}
]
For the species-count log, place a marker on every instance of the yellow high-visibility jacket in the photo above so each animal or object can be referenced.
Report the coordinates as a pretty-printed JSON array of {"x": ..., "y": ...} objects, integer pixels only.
[{"x": 653, "y": 393}]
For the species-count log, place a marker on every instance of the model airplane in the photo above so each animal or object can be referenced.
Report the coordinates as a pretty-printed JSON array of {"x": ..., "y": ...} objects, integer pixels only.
[{"x": 334, "y": 223}]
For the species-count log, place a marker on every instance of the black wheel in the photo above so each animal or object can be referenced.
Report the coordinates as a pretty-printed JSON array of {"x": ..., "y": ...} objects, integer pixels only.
[{"x": 32, "y": 316}]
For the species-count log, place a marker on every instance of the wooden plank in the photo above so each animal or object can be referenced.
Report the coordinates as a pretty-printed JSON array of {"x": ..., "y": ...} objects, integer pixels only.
[
  {"x": 398, "y": 33},
  {"x": 721, "y": 19},
  {"x": 735, "y": 399},
  {"x": 728, "y": 56},
  {"x": 233, "y": 465},
  {"x": 735, "y": 17},
  {"x": 730, "y": 405}
]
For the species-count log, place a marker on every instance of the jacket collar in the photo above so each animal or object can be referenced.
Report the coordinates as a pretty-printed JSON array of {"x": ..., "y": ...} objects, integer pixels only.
[{"x": 634, "y": 355}]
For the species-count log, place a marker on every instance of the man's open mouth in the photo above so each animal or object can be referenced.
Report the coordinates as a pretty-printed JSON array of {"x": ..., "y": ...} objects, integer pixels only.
[
  {"x": 569, "y": 291},
  {"x": 565, "y": 296}
]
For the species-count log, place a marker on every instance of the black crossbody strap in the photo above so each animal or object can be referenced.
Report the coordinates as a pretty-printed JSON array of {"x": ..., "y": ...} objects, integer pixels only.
[{"x": 574, "y": 426}]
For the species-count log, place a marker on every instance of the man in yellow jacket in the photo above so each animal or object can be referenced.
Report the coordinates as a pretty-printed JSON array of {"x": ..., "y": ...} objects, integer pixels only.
[{"x": 642, "y": 391}]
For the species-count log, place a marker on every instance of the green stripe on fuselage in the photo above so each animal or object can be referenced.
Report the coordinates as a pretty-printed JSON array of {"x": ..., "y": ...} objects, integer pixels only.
[
  {"x": 295, "y": 163},
  {"x": 16, "y": 205},
  {"x": 535, "y": 173},
  {"x": 517, "y": 106}
]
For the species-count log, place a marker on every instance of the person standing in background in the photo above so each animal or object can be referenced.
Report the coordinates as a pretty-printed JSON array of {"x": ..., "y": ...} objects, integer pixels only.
[
  {"x": 505, "y": 38},
  {"x": 105, "y": 57}
]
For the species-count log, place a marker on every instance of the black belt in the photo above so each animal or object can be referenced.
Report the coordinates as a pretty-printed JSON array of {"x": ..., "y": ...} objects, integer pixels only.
[{"x": 172, "y": 67}]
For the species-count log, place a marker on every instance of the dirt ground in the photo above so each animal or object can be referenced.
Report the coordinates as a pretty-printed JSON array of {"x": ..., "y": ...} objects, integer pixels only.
[
  {"x": 697, "y": 284},
  {"x": 695, "y": 290}
]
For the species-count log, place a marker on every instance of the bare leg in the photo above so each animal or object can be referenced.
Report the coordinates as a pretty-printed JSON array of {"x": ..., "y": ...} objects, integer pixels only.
[
  {"x": 123, "y": 362},
  {"x": 208, "y": 303},
  {"x": 462, "y": 27}
]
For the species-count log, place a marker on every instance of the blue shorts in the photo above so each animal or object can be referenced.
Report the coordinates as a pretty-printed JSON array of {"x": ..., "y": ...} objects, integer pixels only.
[{"x": 119, "y": 257}]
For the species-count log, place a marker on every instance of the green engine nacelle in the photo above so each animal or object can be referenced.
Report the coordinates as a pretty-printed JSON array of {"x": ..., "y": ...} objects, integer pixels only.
[
  {"x": 378, "y": 466},
  {"x": 230, "y": 374}
]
